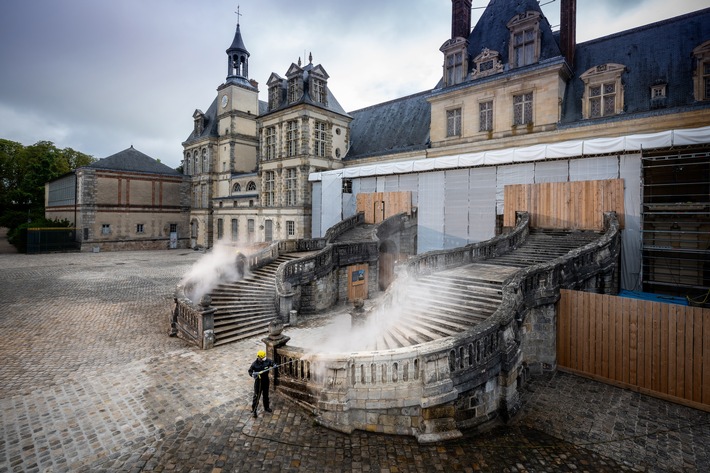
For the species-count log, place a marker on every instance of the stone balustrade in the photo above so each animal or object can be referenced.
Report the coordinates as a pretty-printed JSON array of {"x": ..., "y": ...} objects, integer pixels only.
[{"x": 434, "y": 389}]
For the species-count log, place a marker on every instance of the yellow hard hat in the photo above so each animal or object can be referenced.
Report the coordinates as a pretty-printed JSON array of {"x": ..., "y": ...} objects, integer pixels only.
[{"x": 261, "y": 354}]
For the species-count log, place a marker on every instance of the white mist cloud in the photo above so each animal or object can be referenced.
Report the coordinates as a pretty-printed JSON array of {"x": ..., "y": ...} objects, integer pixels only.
[{"x": 217, "y": 266}]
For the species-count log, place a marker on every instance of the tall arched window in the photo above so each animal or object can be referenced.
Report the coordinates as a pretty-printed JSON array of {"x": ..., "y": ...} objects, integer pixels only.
[
  {"x": 195, "y": 163},
  {"x": 251, "y": 186},
  {"x": 205, "y": 168},
  {"x": 236, "y": 188}
]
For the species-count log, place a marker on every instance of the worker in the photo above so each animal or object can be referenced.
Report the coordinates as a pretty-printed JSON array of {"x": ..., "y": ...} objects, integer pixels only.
[{"x": 259, "y": 370}]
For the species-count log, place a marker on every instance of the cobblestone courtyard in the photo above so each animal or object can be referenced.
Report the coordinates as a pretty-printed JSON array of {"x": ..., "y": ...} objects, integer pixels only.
[{"x": 90, "y": 381}]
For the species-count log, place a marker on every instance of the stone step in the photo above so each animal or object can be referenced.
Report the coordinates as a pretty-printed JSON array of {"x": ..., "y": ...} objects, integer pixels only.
[{"x": 241, "y": 325}]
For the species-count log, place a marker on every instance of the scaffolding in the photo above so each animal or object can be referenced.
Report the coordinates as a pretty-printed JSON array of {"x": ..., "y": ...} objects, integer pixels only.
[{"x": 676, "y": 223}]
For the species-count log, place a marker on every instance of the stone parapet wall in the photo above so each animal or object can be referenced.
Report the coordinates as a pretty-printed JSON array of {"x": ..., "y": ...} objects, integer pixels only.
[{"x": 433, "y": 390}]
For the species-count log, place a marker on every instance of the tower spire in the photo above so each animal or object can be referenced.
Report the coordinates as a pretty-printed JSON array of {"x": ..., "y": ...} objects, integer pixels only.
[{"x": 237, "y": 55}]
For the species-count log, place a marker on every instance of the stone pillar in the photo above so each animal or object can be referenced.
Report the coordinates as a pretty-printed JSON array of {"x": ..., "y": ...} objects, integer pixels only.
[
  {"x": 207, "y": 322},
  {"x": 358, "y": 315},
  {"x": 173, "y": 319},
  {"x": 273, "y": 342}
]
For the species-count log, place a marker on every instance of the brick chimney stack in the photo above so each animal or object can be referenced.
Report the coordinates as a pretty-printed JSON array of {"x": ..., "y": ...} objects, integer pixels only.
[
  {"x": 568, "y": 29},
  {"x": 460, "y": 18}
]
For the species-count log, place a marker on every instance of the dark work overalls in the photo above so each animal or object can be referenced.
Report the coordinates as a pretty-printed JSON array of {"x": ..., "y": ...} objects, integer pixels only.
[{"x": 261, "y": 382}]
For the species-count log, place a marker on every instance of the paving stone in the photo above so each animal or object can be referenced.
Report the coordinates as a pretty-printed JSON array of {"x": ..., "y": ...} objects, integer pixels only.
[{"x": 91, "y": 382}]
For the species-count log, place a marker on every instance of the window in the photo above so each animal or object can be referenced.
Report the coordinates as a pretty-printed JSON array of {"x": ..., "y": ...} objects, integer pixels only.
[
  {"x": 220, "y": 228},
  {"x": 487, "y": 63},
  {"x": 235, "y": 229},
  {"x": 701, "y": 75},
  {"x": 523, "y": 109},
  {"x": 292, "y": 138},
  {"x": 454, "y": 68},
  {"x": 195, "y": 163},
  {"x": 270, "y": 143},
  {"x": 196, "y": 194},
  {"x": 347, "y": 186},
  {"x": 320, "y": 139},
  {"x": 319, "y": 91},
  {"x": 290, "y": 227},
  {"x": 294, "y": 92},
  {"x": 251, "y": 186},
  {"x": 274, "y": 99},
  {"x": 453, "y": 122},
  {"x": 250, "y": 229},
  {"x": 106, "y": 229},
  {"x": 187, "y": 165},
  {"x": 658, "y": 91},
  {"x": 269, "y": 188},
  {"x": 485, "y": 116},
  {"x": 291, "y": 182},
  {"x": 236, "y": 188},
  {"x": 524, "y": 34},
  {"x": 139, "y": 228},
  {"x": 173, "y": 228},
  {"x": 603, "y": 93},
  {"x": 205, "y": 197},
  {"x": 204, "y": 161}
]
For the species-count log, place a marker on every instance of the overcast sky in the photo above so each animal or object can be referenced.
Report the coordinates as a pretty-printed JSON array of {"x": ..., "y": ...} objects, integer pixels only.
[{"x": 101, "y": 75}]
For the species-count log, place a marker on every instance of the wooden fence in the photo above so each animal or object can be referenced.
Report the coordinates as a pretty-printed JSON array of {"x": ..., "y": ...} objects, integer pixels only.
[
  {"x": 655, "y": 348},
  {"x": 576, "y": 205},
  {"x": 379, "y": 206}
]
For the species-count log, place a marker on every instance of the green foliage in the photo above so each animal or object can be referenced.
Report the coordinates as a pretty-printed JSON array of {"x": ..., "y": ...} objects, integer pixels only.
[
  {"x": 24, "y": 170},
  {"x": 18, "y": 235}
]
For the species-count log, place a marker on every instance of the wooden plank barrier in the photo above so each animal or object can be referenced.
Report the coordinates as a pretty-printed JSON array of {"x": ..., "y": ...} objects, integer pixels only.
[
  {"x": 379, "y": 206},
  {"x": 576, "y": 205},
  {"x": 655, "y": 348}
]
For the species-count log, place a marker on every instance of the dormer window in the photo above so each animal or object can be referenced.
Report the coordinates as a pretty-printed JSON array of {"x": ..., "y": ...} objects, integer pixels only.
[
  {"x": 251, "y": 186},
  {"x": 236, "y": 188},
  {"x": 274, "y": 97},
  {"x": 318, "y": 91},
  {"x": 455, "y": 60},
  {"x": 487, "y": 63},
  {"x": 603, "y": 91},
  {"x": 524, "y": 46},
  {"x": 295, "y": 89},
  {"x": 199, "y": 120},
  {"x": 701, "y": 76}
]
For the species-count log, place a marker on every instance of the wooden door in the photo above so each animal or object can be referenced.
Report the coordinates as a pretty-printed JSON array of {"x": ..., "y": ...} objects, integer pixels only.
[{"x": 357, "y": 282}]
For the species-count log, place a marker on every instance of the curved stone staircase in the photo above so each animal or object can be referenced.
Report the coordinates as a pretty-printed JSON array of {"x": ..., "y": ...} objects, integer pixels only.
[
  {"x": 244, "y": 308},
  {"x": 444, "y": 303}
]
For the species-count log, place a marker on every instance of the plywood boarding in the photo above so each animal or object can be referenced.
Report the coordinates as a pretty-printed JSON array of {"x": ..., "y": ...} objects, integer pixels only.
[
  {"x": 378, "y": 206},
  {"x": 578, "y": 205},
  {"x": 656, "y": 348}
]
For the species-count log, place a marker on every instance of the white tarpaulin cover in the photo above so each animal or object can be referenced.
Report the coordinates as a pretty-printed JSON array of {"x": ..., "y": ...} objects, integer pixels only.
[
  {"x": 552, "y": 171},
  {"x": 482, "y": 208},
  {"x": 455, "y": 208},
  {"x": 332, "y": 203},
  {"x": 565, "y": 149},
  {"x": 316, "y": 209},
  {"x": 631, "y": 236},
  {"x": 431, "y": 212},
  {"x": 594, "y": 169}
]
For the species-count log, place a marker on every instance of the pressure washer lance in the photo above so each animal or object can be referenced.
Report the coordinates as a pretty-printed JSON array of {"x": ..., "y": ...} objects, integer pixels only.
[{"x": 259, "y": 373}]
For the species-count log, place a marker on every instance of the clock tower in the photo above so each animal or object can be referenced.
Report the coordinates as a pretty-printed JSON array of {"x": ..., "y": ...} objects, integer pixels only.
[{"x": 237, "y": 109}]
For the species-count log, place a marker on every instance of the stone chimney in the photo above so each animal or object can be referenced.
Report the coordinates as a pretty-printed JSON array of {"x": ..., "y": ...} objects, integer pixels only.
[
  {"x": 460, "y": 18},
  {"x": 568, "y": 29}
]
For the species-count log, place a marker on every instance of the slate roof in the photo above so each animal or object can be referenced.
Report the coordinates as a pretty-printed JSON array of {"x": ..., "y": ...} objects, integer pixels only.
[
  {"x": 392, "y": 127},
  {"x": 210, "y": 128},
  {"x": 491, "y": 31},
  {"x": 660, "y": 52},
  {"x": 131, "y": 159}
]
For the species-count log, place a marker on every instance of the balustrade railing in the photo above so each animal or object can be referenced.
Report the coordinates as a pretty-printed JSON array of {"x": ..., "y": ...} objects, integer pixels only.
[{"x": 436, "y": 372}]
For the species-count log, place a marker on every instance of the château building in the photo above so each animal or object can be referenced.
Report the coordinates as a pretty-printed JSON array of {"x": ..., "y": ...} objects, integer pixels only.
[{"x": 518, "y": 103}]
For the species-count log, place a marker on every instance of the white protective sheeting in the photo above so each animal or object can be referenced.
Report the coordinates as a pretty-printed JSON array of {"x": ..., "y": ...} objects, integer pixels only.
[
  {"x": 594, "y": 169},
  {"x": 565, "y": 149},
  {"x": 631, "y": 237},
  {"x": 430, "y": 227},
  {"x": 391, "y": 183},
  {"x": 368, "y": 185},
  {"x": 515, "y": 174},
  {"x": 552, "y": 171},
  {"x": 456, "y": 208},
  {"x": 693, "y": 136},
  {"x": 316, "y": 209},
  {"x": 482, "y": 208},
  {"x": 332, "y": 203},
  {"x": 410, "y": 182}
]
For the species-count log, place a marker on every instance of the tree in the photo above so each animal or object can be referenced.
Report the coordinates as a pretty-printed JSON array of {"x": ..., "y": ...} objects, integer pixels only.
[{"x": 24, "y": 170}]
